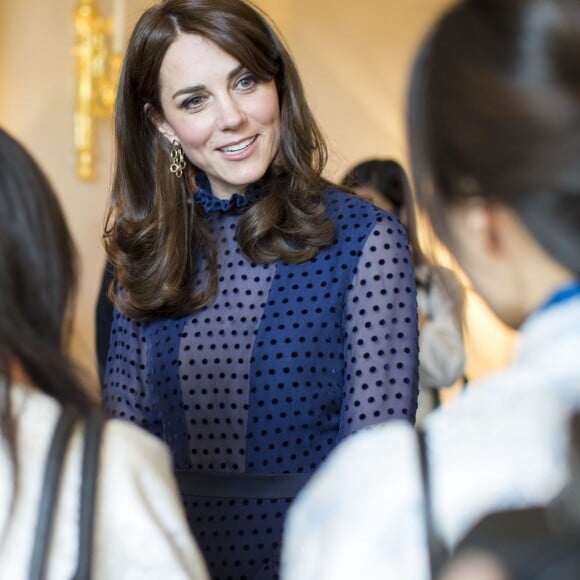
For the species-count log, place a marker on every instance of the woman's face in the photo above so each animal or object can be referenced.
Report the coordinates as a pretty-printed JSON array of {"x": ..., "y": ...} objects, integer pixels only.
[{"x": 227, "y": 121}]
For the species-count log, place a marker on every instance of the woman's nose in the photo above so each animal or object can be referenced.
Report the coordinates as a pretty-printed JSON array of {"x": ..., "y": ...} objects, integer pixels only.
[{"x": 231, "y": 115}]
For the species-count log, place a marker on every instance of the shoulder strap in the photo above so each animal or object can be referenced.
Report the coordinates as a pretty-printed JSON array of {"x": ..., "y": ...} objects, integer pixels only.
[
  {"x": 93, "y": 432},
  {"x": 50, "y": 486},
  {"x": 437, "y": 550}
]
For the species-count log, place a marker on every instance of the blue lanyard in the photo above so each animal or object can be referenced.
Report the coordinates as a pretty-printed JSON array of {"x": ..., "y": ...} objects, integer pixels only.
[{"x": 564, "y": 293}]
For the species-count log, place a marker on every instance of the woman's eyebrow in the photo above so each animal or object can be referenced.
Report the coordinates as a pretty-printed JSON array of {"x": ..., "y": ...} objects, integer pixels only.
[{"x": 186, "y": 90}]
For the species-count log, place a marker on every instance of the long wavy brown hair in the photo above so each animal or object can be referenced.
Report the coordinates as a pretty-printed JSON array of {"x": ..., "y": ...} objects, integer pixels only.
[{"x": 155, "y": 237}]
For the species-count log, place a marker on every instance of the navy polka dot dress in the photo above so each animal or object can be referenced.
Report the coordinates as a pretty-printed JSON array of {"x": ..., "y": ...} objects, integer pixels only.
[{"x": 253, "y": 392}]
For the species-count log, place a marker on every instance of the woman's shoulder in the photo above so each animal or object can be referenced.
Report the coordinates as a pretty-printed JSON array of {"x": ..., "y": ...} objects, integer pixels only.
[
  {"x": 139, "y": 490},
  {"x": 125, "y": 448},
  {"x": 342, "y": 200},
  {"x": 364, "y": 490},
  {"x": 135, "y": 465},
  {"x": 133, "y": 446},
  {"x": 347, "y": 470}
]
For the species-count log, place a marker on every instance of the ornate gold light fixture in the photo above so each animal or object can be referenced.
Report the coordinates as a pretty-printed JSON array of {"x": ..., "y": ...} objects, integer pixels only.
[{"x": 98, "y": 53}]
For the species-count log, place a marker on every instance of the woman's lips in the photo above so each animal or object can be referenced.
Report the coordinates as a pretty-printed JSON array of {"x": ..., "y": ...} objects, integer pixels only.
[{"x": 239, "y": 150}]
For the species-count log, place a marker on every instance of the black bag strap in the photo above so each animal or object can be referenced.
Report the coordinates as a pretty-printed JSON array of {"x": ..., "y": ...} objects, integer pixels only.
[
  {"x": 51, "y": 483},
  {"x": 437, "y": 550},
  {"x": 93, "y": 432},
  {"x": 50, "y": 486}
]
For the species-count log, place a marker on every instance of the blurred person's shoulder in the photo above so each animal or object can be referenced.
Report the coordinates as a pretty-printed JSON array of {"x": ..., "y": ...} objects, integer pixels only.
[{"x": 132, "y": 445}]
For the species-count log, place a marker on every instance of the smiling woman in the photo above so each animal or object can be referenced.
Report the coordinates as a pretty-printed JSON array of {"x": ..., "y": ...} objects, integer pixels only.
[
  {"x": 262, "y": 314},
  {"x": 226, "y": 119}
]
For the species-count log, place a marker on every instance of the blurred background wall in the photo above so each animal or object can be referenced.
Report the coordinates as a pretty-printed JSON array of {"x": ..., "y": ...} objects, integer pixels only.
[{"x": 354, "y": 59}]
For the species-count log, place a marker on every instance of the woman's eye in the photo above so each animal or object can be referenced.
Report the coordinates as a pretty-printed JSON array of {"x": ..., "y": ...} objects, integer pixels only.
[
  {"x": 193, "y": 102},
  {"x": 246, "y": 82}
]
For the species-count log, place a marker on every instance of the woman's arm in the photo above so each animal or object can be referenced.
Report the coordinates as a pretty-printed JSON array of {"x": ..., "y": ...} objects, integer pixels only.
[
  {"x": 381, "y": 332},
  {"x": 127, "y": 393}
]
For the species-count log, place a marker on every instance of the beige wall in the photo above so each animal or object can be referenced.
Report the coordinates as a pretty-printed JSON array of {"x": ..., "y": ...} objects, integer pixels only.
[
  {"x": 37, "y": 106},
  {"x": 354, "y": 59}
]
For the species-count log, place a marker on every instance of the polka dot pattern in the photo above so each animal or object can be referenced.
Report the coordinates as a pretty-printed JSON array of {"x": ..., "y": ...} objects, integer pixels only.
[
  {"x": 240, "y": 539},
  {"x": 289, "y": 359}
]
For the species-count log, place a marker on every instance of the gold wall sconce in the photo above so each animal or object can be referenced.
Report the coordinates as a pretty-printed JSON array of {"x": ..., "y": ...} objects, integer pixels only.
[{"x": 98, "y": 54}]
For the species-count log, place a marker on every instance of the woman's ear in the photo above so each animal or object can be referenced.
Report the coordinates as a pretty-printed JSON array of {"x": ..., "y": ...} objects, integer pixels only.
[
  {"x": 160, "y": 123},
  {"x": 476, "y": 237},
  {"x": 484, "y": 223},
  {"x": 505, "y": 231}
]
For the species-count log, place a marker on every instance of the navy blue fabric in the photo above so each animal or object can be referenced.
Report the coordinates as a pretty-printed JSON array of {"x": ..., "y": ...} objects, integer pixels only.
[{"x": 288, "y": 360}]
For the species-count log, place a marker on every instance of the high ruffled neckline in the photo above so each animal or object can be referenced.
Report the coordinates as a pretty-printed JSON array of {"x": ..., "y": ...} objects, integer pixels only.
[{"x": 212, "y": 204}]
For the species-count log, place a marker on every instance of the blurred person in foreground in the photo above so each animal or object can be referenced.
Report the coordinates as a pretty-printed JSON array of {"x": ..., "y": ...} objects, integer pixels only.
[
  {"x": 494, "y": 118},
  {"x": 139, "y": 525}
]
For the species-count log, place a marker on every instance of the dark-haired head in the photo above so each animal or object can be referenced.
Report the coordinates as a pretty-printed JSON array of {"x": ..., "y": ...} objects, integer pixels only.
[
  {"x": 239, "y": 30},
  {"x": 385, "y": 184},
  {"x": 494, "y": 118},
  {"x": 153, "y": 235},
  {"x": 386, "y": 177},
  {"x": 499, "y": 117},
  {"x": 37, "y": 277}
]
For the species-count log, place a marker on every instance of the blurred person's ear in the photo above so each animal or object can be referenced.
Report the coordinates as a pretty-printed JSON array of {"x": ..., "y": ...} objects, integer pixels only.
[{"x": 487, "y": 240}]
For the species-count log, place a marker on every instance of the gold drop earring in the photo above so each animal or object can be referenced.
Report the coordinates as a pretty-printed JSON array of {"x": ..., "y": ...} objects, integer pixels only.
[{"x": 177, "y": 159}]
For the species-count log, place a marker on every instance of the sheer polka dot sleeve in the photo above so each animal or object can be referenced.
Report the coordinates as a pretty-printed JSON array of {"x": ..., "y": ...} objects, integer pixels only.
[
  {"x": 381, "y": 332},
  {"x": 125, "y": 392}
]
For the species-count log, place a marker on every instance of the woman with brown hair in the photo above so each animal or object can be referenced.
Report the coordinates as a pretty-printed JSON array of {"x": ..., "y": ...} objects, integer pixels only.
[{"x": 262, "y": 314}]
